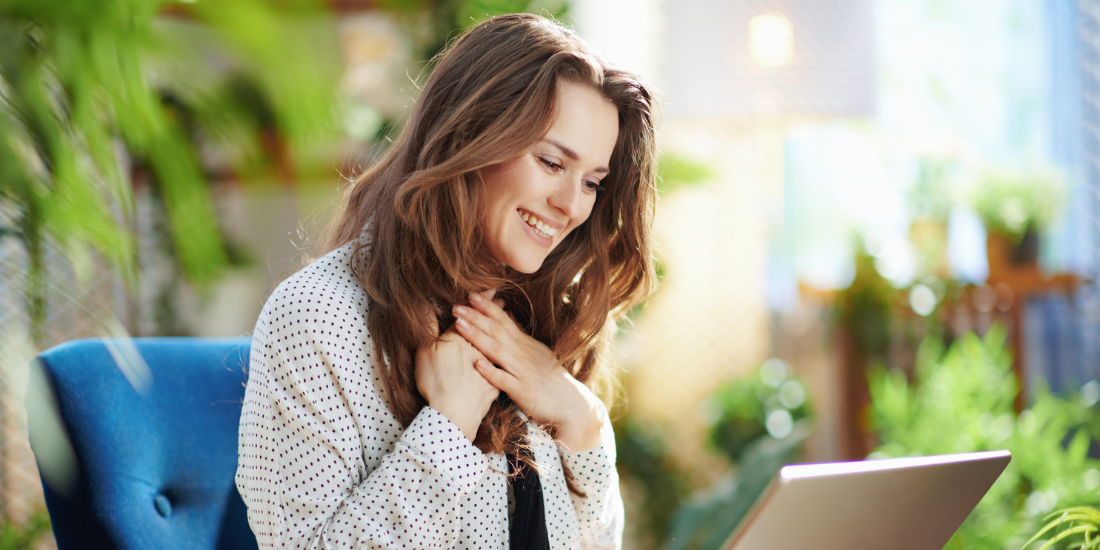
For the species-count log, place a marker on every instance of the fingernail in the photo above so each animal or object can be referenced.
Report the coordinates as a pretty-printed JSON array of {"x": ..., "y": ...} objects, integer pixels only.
[
  {"x": 462, "y": 323},
  {"x": 475, "y": 297},
  {"x": 460, "y": 310}
]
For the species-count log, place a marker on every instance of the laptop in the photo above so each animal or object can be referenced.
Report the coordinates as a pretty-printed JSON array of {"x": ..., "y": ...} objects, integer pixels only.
[{"x": 898, "y": 503}]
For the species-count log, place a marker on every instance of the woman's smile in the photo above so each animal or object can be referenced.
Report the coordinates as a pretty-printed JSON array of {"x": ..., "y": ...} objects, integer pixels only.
[{"x": 542, "y": 229}]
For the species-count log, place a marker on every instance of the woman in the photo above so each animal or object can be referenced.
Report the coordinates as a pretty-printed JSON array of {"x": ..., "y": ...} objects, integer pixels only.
[{"x": 429, "y": 382}]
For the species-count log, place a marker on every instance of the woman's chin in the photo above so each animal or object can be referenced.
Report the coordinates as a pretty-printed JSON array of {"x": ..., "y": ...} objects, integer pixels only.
[
  {"x": 525, "y": 265},
  {"x": 526, "y": 269}
]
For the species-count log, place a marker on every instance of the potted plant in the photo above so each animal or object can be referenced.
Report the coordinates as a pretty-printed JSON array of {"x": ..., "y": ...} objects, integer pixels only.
[{"x": 1015, "y": 205}]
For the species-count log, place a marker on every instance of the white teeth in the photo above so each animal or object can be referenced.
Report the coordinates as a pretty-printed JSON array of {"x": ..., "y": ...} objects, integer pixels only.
[{"x": 541, "y": 227}]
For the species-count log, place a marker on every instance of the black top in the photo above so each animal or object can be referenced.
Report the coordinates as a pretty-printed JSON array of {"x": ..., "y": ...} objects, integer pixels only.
[{"x": 528, "y": 531}]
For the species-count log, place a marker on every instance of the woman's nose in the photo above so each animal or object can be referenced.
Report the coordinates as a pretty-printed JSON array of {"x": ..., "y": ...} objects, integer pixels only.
[{"x": 569, "y": 198}]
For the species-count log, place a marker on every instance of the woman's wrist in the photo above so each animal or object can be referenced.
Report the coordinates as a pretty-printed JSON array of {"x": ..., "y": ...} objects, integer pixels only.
[
  {"x": 581, "y": 432},
  {"x": 464, "y": 422}
]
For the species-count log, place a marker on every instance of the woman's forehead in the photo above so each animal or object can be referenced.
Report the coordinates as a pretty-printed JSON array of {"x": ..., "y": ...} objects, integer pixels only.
[{"x": 585, "y": 126}]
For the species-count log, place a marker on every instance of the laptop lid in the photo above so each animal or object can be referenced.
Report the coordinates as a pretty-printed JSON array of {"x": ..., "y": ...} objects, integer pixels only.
[{"x": 900, "y": 503}]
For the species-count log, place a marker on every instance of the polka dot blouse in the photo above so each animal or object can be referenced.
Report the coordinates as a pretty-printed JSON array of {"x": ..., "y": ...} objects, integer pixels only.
[{"x": 322, "y": 463}]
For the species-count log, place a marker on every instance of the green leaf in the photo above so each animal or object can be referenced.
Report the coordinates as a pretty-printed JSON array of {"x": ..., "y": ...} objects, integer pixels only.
[
  {"x": 1063, "y": 535},
  {"x": 1078, "y": 448}
]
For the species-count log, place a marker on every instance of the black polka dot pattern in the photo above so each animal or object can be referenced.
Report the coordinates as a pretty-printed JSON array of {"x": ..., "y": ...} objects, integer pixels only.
[
  {"x": 599, "y": 516},
  {"x": 323, "y": 463}
]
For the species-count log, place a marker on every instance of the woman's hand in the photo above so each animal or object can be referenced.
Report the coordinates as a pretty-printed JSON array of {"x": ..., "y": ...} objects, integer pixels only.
[
  {"x": 530, "y": 373},
  {"x": 447, "y": 377}
]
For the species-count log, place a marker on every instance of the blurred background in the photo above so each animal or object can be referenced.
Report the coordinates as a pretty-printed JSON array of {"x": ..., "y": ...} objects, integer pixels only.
[{"x": 879, "y": 223}]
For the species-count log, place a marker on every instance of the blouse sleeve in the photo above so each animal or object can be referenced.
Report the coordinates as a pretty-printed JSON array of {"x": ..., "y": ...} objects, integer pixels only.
[
  {"x": 600, "y": 512},
  {"x": 310, "y": 421}
]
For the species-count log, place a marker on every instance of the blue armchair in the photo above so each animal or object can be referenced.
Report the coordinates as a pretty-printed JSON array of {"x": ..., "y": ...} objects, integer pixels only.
[{"x": 154, "y": 469}]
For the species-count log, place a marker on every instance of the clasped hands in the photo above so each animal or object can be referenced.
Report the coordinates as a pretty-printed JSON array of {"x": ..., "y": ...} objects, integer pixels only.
[{"x": 486, "y": 352}]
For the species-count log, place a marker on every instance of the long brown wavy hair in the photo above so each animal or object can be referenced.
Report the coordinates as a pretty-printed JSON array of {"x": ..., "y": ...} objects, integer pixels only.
[{"x": 490, "y": 97}]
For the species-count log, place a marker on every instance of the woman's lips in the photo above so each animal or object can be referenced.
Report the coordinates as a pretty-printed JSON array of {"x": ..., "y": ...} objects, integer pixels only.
[{"x": 543, "y": 239}]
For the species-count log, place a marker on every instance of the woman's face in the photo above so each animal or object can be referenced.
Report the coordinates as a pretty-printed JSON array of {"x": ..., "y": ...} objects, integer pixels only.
[{"x": 534, "y": 200}]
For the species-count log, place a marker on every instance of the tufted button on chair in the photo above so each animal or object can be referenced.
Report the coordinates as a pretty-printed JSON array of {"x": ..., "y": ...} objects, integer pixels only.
[{"x": 141, "y": 458}]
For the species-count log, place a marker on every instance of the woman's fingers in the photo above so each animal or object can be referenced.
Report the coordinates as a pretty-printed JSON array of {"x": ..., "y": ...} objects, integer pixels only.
[
  {"x": 483, "y": 322},
  {"x": 500, "y": 304},
  {"x": 484, "y": 303},
  {"x": 499, "y": 378},
  {"x": 484, "y": 333},
  {"x": 493, "y": 308}
]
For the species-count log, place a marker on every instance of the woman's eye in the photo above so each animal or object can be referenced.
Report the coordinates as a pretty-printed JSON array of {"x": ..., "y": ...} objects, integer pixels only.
[
  {"x": 589, "y": 186},
  {"x": 553, "y": 166},
  {"x": 593, "y": 186}
]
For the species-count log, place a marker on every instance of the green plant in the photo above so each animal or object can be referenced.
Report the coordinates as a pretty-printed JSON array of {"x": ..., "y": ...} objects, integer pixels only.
[
  {"x": 866, "y": 308},
  {"x": 1012, "y": 202},
  {"x": 91, "y": 93},
  {"x": 961, "y": 400},
  {"x": 706, "y": 523},
  {"x": 767, "y": 401},
  {"x": 759, "y": 422},
  {"x": 1083, "y": 521}
]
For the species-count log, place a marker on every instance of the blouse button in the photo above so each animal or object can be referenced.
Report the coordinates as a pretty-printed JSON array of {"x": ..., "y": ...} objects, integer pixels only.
[{"x": 163, "y": 506}]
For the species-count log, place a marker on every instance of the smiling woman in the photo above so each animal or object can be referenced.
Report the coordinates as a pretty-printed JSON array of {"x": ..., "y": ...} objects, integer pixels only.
[{"x": 432, "y": 381}]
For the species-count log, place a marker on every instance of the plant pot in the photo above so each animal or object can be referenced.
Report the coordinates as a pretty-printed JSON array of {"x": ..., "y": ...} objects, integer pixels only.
[
  {"x": 1026, "y": 252},
  {"x": 1005, "y": 253}
]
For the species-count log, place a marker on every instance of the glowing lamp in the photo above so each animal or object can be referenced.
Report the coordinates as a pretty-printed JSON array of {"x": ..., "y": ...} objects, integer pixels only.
[{"x": 771, "y": 39}]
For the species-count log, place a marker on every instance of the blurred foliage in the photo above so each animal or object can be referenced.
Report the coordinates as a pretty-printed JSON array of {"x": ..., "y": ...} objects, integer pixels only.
[
  {"x": 644, "y": 457},
  {"x": 706, "y": 523},
  {"x": 759, "y": 422},
  {"x": 675, "y": 171},
  {"x": 767, "y": 401},
  {"x": 92, "y": 91},
  {"x": 24, "y": 536},
  {"x": 1011, "y": 202},
  {"x": 1081, "y": 522},
  {"x": 962, "y": 400},
  {"x": 866, "y": 308}
]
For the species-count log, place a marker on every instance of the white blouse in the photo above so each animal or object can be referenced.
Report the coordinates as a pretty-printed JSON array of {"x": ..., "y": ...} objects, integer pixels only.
[{"x": 323, "y": 463}]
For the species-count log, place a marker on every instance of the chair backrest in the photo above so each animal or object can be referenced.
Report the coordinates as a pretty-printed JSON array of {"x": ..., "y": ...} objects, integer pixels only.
[{"x": 154, "y": 468}]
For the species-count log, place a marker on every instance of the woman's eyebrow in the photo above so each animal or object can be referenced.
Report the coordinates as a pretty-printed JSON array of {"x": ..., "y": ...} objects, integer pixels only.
[{"x": 572, "y": 154}]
